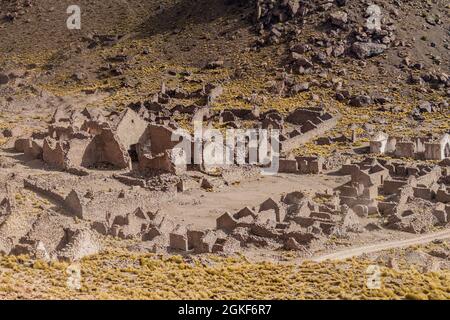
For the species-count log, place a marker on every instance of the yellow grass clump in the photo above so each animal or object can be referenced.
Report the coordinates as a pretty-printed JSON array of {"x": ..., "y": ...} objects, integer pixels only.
[{"x": 123, "y": 275}]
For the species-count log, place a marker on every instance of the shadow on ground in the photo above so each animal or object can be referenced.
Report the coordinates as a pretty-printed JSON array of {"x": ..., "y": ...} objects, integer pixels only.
[{"x": 176, "y": 16}]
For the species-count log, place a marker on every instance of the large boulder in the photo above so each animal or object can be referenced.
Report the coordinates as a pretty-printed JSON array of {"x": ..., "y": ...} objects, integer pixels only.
[{"x": 364, "y": 50}]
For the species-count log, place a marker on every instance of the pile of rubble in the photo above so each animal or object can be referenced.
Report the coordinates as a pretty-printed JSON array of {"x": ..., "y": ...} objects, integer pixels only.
[
  {"x": 398, "y": 192},
  {"x": 295, "y": 222}
]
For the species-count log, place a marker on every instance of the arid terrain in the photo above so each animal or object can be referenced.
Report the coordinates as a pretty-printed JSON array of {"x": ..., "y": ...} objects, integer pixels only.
[{"x": 109, "y": 191}]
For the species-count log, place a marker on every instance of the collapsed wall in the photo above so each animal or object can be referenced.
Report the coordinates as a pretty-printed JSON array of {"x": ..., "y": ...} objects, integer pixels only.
[
  {"x": 309, "y": 124},
  {"x": 156, "y": 149}
]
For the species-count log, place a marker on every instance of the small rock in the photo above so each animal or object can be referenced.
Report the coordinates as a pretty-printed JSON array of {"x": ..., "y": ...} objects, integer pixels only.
[
  {"x": 4, "y": 79},
  {"x": 339, "y": 18},
  {"x": 360, "y": 101},
  {"x": 301, "y": 87},
  {"x": 215, "y": 64}
]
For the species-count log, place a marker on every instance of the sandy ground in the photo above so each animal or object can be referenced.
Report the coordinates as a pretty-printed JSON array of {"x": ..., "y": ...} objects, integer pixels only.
[{"x": 201, "y": 208}]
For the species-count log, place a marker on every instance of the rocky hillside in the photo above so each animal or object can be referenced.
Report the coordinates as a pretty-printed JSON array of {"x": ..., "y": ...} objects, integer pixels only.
[{"x": 383, "y": 64}]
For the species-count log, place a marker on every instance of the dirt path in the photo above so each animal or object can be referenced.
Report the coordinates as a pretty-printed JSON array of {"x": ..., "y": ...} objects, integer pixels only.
[{"x": 354, "y": 252}]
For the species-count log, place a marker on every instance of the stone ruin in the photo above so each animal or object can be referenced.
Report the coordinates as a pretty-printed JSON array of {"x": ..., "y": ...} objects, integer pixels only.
[
  {"x": 421, "y": 148},
  {"x": 46, "y": 236},
  {"x": 296, "y": 128},
  {"x": 396, "y": 191},
  {"x": 380, "y": 194},
  {"x": 306, "y": 125},
  {"x": 143, "y": 134},
  {"x": 293, "y": 222},
  {"x": 302, "y": 165},
  {"x": 71, "y": 228},
  {"x": 146, "y": 135},
  {"x": 77, "y": 140},
  {"x": 137, "y": 145}
]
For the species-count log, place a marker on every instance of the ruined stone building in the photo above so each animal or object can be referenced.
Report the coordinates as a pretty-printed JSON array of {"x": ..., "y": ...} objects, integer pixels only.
[
  {"x": 83, "y": 140},
  {"x": 397, "y": 190},
  {"x": 145, "y": 134}
]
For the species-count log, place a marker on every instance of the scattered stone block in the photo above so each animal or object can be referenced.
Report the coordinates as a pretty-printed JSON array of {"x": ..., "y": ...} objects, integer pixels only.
[
  {"x": 226, "y": 222},
  {"x": 266, "y": 230},
  {"x": 80, "y": 243},
  {"x": 178, "y": 239},
  {"x": 271, "y": 204},
  {"x": 244, "y": 212}
]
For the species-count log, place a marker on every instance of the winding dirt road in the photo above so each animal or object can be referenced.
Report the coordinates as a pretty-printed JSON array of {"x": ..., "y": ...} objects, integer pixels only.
[{"x": 354, "y": 252}]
